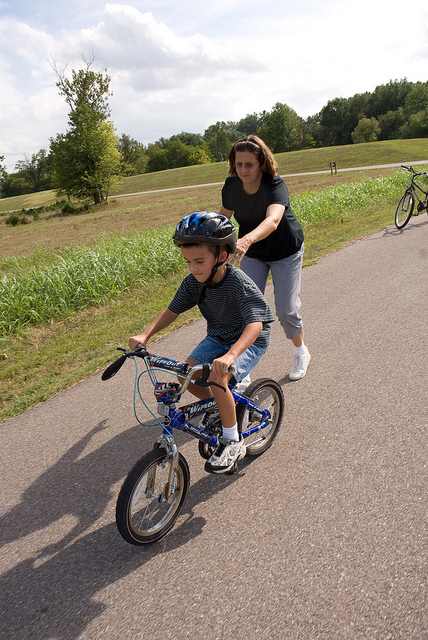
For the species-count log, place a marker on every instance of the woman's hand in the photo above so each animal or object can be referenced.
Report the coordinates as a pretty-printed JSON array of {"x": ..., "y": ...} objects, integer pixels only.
[
  {"x": 274, "y": 213},
  {"x": 242, "y": 246}
]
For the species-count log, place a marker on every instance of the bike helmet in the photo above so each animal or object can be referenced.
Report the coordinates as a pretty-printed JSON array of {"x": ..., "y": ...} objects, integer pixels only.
[{"x": 206, "y": 227}]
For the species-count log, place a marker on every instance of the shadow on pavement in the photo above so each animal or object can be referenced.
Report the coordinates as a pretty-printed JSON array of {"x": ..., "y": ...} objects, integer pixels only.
[{"x": 53, "y": 594}]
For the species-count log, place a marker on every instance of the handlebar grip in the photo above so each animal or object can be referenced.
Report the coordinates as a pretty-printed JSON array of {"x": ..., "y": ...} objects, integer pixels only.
[{"x": 113, "y": 368}]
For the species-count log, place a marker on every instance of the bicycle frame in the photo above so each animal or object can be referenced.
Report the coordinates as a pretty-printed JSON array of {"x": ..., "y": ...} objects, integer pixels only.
[
  {"x": 168, "y": 394},
  {"x": 414, "y": 186}
]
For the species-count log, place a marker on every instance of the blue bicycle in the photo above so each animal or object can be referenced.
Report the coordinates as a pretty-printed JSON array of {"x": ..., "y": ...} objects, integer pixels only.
[{"x": 154, "y": 491}]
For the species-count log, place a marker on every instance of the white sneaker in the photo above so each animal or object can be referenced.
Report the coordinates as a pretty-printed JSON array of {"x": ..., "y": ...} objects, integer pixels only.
[
  {"x": 300, "y": 366},
  {"x": 224, "y": 457},
  {"x": 241, "y": 386}
]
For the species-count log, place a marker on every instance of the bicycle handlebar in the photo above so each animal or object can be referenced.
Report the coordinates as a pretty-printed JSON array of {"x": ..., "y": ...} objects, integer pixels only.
[
  {"x": 412, "y": 170},
  {"x": 114, "y": 367},
  {"x": 141, "y": 352}
]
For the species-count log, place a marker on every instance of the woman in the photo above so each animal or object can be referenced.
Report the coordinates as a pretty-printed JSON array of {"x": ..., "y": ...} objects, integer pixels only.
[{"x": 270, "y": 237}]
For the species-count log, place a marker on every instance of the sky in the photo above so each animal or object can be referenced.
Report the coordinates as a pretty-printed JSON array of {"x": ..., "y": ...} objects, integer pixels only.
[{"x": 185, "y": 65}]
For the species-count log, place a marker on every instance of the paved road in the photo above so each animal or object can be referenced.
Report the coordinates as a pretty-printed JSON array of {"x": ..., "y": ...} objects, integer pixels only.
[{"x": 324, "y": 536}]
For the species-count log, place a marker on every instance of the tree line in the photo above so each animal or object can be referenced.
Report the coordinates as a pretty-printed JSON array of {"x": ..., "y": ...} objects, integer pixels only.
[{"x": 90, "y": 157}]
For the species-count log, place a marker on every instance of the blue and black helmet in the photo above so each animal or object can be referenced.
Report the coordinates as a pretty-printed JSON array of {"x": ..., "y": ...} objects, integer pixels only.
[{"x": 206, "y": 227}]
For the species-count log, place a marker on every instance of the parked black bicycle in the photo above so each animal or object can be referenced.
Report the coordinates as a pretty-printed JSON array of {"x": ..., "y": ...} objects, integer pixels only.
[{"x": 413, "y": 194}]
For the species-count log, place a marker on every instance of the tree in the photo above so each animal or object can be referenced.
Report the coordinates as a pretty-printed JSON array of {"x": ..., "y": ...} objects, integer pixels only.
[
  {"x": 333, "y": 121},
  {"x": 171, "y": 154},
  {"x": 418, "y": 124},
  {"x": 282, "y": 129},
  {"x": 417, "y": 98},
  {"x": 219, "y": 145},
  {"x": 86, "y": 158},
  {"x": 249, "y": 125},
  {"x": 158, "y": 158},
  {"x": 229, "y": 128},
  {"x": 199, "y": 155},
  {"x": 3, "y": 172},
  {"x": 390, "y": 124},
  {"x": 367, "y": 130},
  {"x": 388, "y": 97},
  {"x": 14, "y": 184},
  {"x": 86, "y": 162},
  {"x": 313, "y": 132},
  {"x": 32, "y": 174},
  {"x": 37, "y": 170},
  {"x": 133, "y": 156},
  {"x": 190, "y": 139}
]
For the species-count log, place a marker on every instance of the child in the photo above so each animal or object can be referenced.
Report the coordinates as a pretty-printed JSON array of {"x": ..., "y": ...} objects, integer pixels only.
[{"x": 237, "y": 314}]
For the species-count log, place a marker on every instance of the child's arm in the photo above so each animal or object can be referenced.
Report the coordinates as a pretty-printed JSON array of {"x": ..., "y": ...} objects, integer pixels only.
[
  {"x": 163, "y": 320},
  {"x": 248, "y": 336}
]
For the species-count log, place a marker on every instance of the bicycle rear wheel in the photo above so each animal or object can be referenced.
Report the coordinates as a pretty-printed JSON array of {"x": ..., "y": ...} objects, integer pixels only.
[
  {"x": 404, "y": 210},
  {"x": 143, "y": 514},
  {"x": 267, "y": 394}
]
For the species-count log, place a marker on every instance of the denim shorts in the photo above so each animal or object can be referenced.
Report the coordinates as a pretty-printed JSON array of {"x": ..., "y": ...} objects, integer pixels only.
[{"x": 211, "y": 348}]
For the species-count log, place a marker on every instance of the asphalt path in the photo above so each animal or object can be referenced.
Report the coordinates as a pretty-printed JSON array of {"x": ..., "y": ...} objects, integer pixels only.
[{"x": 322, "y": 537}]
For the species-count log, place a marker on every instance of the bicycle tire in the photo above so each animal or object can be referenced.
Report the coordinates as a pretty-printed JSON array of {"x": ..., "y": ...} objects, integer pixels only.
[
  {"x": 267, "y": 394},
  {"x": 404, "y": 210},
  {"x": 142, "y": 518}
]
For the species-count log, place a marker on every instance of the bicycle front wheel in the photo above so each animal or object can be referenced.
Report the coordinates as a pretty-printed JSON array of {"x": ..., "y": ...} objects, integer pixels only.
[
  {"x": 143, "y": 512},
  {"x": 404, "y": 210},
  {"x": 267, "y": 394}
]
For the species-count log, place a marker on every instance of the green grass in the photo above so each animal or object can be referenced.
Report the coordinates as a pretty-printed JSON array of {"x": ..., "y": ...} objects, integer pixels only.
[{"x": 39, "y": 361}]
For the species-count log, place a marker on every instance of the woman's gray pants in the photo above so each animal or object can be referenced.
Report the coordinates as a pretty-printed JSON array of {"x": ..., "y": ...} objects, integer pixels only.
[{"x": 286, "y": 278}]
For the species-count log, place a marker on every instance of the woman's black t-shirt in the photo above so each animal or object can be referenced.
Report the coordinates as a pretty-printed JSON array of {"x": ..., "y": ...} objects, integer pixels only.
[{"x": 250, "y": 210}]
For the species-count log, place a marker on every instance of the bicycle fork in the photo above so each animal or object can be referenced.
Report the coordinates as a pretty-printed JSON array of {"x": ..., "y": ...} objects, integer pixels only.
[{"x": 172, "y": 457}]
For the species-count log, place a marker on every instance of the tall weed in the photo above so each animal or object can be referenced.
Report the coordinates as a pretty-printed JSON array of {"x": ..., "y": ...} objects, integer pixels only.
[
  {"x": 77, "y": 278},
  {"x": 345, "y": 198},
  {"x": 84, "y": 276}
]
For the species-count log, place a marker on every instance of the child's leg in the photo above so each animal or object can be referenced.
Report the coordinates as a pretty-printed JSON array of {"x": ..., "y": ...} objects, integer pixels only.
[
  {"x": 224, "y": 400},
  {"x": 200, "y": 392},
  {"x": 206, "y": 351},
  {"x": 231, "y": 446}
]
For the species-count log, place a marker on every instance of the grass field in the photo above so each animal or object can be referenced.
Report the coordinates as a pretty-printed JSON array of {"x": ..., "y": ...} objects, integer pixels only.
[{"x": 59, "y": 350}]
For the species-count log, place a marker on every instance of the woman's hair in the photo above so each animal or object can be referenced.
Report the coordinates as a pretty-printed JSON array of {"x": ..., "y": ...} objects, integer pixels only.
[{"x": 255, "y": 145}]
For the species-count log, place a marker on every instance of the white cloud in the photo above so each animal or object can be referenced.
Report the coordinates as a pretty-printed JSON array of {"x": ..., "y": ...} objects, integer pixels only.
[
  {"x": 149, "y": 55},
  {"x": 178, "y": 68}
]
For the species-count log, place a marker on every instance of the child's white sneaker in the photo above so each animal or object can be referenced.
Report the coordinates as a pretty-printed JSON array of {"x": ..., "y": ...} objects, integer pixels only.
[{"x": 224, "y": 457}]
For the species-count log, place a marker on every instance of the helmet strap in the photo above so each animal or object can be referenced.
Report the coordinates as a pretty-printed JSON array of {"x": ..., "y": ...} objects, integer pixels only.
[{"x": 214, "y": 270}]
